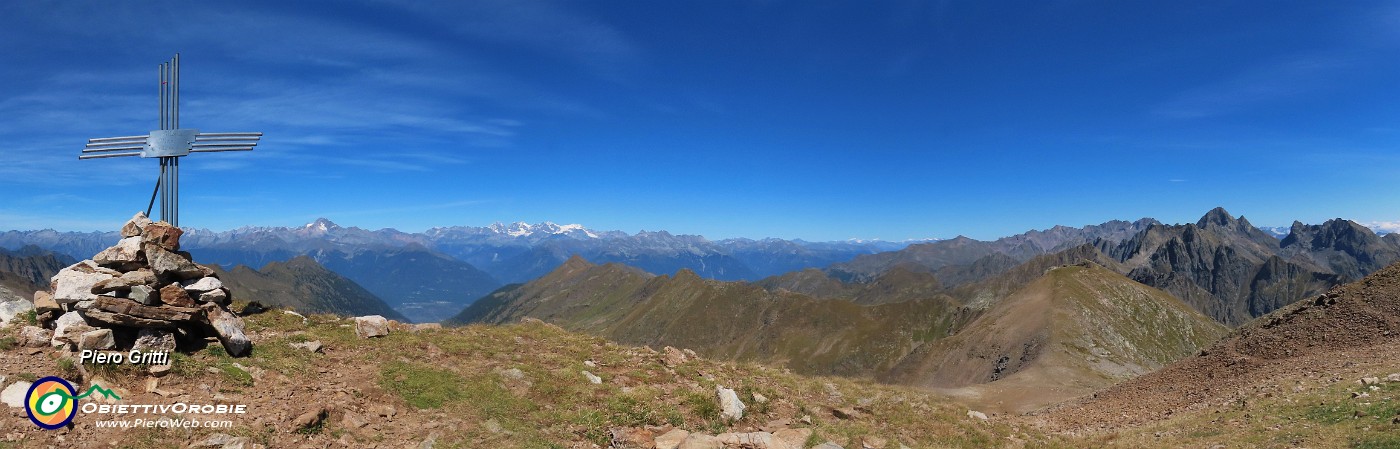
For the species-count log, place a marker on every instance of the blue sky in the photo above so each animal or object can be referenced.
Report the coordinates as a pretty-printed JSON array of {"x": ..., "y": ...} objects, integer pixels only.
[{"x": 808, "y": 119}]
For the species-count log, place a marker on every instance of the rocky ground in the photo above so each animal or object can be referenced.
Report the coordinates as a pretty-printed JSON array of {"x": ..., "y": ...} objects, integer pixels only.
[
  {"x": 527, "y": 385},
  {"x": 317, "y": 383},
  {"x": 1295, "y": 377}
]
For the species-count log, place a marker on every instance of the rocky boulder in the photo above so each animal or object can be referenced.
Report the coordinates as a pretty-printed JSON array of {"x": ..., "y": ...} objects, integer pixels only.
[
  {"x": 66, "y": 324},
  {"x": 163, "y": 235},
  {"x": 174, "y": 295},
  {"x": 9, "y": 310},
  {"x": 152, "y": 339},
  {"x": 757, "y": 440},
  {"x": 136, "y": 225},
  {"x": 43, "y": 302},
  {"x": 671, "y": 439},
  {"x": 126, "y": 252},
  {"x": 229, "y": 329},
  {"x": 201, "y": 285},
  {"x": 731, "y": 409},
  {"x": 371, "y": 326},
  {"x": 13, "y": 395},
  {"x": 75, "y": 283},
  {"x": 96, "y": 339},
  {"x": 144, "y": 294},
  {"x": 34, "y": 337},
  {"x": 169, "y": 265}
]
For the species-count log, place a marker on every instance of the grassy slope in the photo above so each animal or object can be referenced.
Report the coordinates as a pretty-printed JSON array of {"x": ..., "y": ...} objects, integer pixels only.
[
  {"x": 842, "y": 335},
  {"x": 451, "y": 385},
  {"x": 723, "y": 319},
  {"x": 1073, "y": 330}
]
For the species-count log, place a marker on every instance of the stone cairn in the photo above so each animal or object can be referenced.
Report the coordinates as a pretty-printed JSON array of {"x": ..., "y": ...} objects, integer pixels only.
[{"x": 143, "y": 293}]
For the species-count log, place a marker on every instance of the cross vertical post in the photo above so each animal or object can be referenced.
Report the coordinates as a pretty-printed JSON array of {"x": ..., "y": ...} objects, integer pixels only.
[{"x": 169, "y": 143}]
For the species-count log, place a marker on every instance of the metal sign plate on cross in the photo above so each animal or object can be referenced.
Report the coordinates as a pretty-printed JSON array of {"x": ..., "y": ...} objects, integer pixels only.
[{"x": 169, "y": 143}]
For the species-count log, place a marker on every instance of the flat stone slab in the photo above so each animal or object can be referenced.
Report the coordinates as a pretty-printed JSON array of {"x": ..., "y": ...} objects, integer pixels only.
[
  {"x": 13, "y": 395},
  {"x": 133, "y": 308}
]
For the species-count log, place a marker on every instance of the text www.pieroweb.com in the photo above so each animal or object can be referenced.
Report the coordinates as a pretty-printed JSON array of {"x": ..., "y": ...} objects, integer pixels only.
[{"x": 163, "y": 423}]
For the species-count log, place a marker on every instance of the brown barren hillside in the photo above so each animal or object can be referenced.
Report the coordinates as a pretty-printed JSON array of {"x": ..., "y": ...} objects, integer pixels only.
[
  {"x": 1307, "y": 342},
  {"x": 1073, "y": 330},
  {"x": 726, "y": 320},
  {"x": 1042, "y": 332}
]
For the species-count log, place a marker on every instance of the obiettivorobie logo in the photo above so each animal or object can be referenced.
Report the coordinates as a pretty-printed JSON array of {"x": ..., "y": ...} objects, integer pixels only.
[{"x": 53, "y": 402}]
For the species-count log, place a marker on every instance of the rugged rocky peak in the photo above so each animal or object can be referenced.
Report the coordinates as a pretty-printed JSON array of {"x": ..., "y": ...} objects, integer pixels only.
[
  {"x": 1229, "y": 227},
  {"x": 1217, "y": 217},
  {"x": 1338, "y": 234},
  {"x": 1343, "y": 246},
  {"x": 143, "y": 289}
]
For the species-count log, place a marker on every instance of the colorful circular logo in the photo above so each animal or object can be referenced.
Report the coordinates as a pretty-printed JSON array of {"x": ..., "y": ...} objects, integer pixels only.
[{"x": 50, "y": 403}]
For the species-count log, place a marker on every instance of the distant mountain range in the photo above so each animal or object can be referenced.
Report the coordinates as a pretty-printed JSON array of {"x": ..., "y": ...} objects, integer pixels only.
[
  {"x": 1083, "y": 306},
  {"x": 1223, "y": 266},
  {"x": 431, "y": 275}
]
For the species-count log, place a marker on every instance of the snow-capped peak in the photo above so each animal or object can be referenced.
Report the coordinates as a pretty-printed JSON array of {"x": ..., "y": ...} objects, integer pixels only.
[
  {"x": 523, "y": 229},
  {"x": 321, "y": 225}
]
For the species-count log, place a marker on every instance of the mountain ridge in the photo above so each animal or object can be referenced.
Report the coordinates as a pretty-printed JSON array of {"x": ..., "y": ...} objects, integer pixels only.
[
  {"x": 303, "y": 285},
  {"x": 815, "y": 324}
]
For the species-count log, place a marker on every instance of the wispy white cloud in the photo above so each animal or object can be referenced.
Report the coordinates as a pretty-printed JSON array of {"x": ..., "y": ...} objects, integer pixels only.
[
  {"x": 546, "y": 26},
  {"x": 394, "y": 210},
  {"x": 312, "y": 83},
  {"x": 12, "y": 220},
  {"x": 1261, "y": 85},
  {"x": 1384, "y": 227}
]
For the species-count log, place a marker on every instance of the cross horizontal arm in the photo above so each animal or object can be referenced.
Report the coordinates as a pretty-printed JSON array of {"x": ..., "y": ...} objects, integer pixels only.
[
  {"x": 104, "y": 156},
  {"x": 216, "y": 150},
  {"x": 254, "y": 134},
  {"x": 127, "y": 143},
  {"x": 116, "y": 139},
  {"x": 216, "y": 145},
  {"x": 108, "y": 150}
]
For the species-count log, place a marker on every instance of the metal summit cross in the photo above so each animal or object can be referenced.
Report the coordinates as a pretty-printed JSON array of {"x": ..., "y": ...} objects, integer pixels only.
[{"x": 169, "y": 143}]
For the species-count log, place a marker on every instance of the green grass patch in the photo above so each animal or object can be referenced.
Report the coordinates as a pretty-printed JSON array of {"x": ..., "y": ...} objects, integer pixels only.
[
  {"x": 183, "y": 365},
  {"x": 236, "y": 375},
  {"x": 422, "y": 386},
  {"x": 313, "y": 429},
  {"x": 7, "y": 343},
  {"x": 277, "y": 355},
  {"x": 1381, "y": 407},
  {"x": 67, "y": 369},
  {"x": 594, "y": 425},
  {"x": 1378, "y": 442},
  {"x": 493, "y": 400},
  {"x": 632, "y": 411}
]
